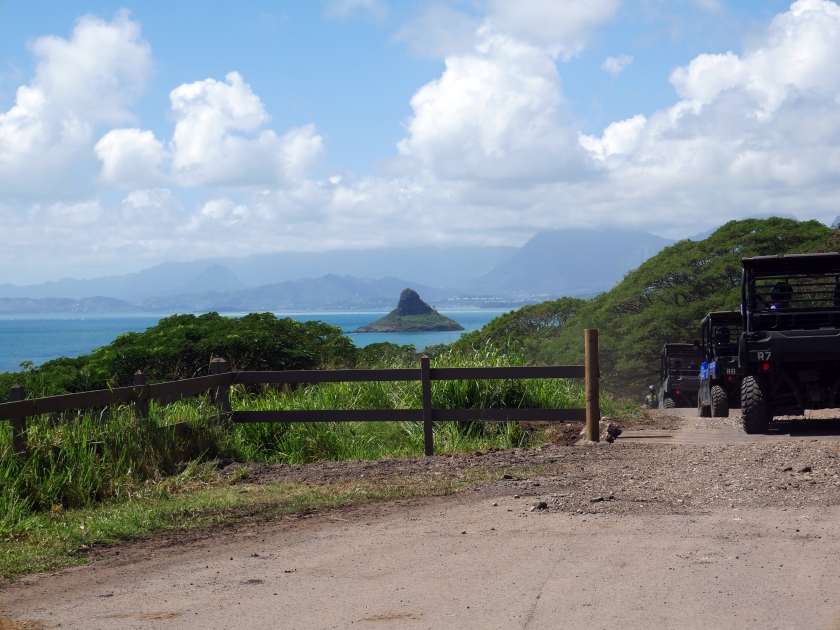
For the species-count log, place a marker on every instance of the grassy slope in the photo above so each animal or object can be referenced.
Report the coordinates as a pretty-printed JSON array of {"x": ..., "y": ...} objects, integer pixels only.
[{"x": 667, "y": 296}]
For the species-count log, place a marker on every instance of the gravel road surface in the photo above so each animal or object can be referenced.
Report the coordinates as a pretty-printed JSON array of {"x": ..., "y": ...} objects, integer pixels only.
[{"x": 628, "y": 535}]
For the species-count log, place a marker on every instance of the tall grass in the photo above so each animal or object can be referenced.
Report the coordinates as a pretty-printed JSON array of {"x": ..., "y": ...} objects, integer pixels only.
[{"x": 112, "y": 455}]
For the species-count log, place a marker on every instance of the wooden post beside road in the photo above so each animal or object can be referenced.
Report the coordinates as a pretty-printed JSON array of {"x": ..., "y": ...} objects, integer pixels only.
[
  {"x": 426, "y": 388},
  {"x": 220, "y": 395},
  {"x": 18, "y": 424},
  {"x": 141, "y": 406},
  {"x": 593, "y": 408}
]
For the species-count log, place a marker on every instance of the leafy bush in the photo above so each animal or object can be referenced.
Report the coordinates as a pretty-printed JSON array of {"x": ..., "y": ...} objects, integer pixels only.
[{"x": 181, "y": 346}]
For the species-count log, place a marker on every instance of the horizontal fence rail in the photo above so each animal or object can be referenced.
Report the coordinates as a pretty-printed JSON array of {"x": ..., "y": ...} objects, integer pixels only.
[
  {"x": 220, "y": 380},
  {"x": 162, "y": 393}
]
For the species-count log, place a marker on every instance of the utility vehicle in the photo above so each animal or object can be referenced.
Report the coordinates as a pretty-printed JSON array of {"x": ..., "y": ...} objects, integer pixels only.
[
  {"x": 720, "y": 375},
  {"x": 679, "y": 375},
  {"x": 790, "y": 349}
]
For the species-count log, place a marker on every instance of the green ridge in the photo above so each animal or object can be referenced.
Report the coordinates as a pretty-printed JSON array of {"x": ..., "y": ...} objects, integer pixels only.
[{"x": 661, "y": 301}]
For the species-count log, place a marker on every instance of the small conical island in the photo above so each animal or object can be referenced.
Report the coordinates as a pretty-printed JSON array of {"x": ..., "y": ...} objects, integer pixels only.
[{"x": 411, "y": 315}]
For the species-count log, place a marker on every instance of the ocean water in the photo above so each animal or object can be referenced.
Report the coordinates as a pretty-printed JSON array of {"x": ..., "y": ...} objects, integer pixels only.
[{"x": 40, "y": 338}]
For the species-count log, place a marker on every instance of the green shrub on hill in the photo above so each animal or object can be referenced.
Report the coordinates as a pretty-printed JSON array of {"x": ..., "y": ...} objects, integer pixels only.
[
  {"x": 524, "y": 329},
  {"x": 181, "y": 346}
]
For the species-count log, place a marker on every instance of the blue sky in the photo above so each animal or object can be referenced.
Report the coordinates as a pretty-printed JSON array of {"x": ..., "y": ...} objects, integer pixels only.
[
  {"x": 364, "y": 123},
  {"x": 352, "y": 76},
  {"x": 343, "y": 74}
]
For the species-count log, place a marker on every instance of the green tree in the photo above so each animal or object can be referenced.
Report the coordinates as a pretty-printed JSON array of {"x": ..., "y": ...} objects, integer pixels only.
[
  {"x": 181, "y": 346},
  {"x": 524, "y": 329}
]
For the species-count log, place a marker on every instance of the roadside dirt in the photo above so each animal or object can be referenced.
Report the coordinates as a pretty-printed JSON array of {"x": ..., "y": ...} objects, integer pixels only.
[
  {"x": 640, "y": 478},
  {"x": 628, "y": 535}
]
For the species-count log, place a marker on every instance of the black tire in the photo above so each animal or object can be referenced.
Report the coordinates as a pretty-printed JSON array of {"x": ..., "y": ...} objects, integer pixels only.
[
  {"x": 755, "y": 417},
  {"x": 720, "y": 402},
  {"x": 668, "y": 403},
  {"x": 703, "y": 411}
]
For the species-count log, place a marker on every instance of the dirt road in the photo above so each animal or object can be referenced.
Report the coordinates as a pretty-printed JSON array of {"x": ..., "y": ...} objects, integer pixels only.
[{"x": 629, "y": 536}]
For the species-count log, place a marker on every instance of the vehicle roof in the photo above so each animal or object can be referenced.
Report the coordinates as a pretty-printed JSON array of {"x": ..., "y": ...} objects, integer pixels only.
[
  {"x": 725, "y": 317},
  {"x": 828, "y": 262},
  {"x": 682, "y": 347}
]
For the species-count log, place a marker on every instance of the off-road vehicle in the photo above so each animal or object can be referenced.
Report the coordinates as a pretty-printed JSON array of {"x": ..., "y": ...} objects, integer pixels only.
[
  {"x": 720, "y": 375},
  {"x": 679, "y": 375},
  {"x": 790, "y": 349}
]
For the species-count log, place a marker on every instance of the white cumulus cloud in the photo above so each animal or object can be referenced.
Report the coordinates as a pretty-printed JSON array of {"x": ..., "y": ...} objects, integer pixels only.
[
  {"x": 223, "y": 208},
  {"x": 494, "y": 113},
  {"x": 563, "y": 26},
  {"x": 218, "y": 141},
  {"x": 440, "y": 31},
  {"x": 753, "y": 132},
  {"x": 81, "y": 213},
  {"x": 797, "y": 56},
  {"x": 619, "y": 137},
  {"x": 130, "y": 157},
  {"x": 616, "y": 65},
  {"x": 79, "y": 83}
]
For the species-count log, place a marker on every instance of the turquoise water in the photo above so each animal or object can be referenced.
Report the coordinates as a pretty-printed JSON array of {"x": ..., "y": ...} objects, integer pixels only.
[{"x": 39, "y": 338}]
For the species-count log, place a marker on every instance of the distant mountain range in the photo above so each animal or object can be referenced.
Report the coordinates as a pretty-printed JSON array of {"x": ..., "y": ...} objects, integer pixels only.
[
  {"x": 568, "y": 262},
  {"x": 328, "y": 292},
  {"x": 553, "y": 263},
  {"x": 21, "y": 306},
  {"x": 426, "y": 266}
]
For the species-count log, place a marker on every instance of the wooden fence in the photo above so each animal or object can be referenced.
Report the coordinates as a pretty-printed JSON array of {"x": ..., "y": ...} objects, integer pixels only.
[{"x": 220, "y": 381}]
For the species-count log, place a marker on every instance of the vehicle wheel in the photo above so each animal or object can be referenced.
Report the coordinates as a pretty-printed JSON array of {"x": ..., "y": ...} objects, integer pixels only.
[
  {"x": 668, "y": 403},
  {"x": 704, "y": 411},
  {"x": 755, "y": 417},
  {"x": 720, "y": 402}
]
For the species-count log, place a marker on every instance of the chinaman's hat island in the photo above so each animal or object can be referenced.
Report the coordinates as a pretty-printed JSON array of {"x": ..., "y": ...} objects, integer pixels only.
[{"x": 411, "y": 315}]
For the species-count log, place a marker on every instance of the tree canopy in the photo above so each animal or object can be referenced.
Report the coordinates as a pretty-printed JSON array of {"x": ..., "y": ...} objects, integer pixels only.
[{"x": 181, "y": 346}]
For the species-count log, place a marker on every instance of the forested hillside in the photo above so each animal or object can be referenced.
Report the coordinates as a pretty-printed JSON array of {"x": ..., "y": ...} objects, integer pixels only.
[{"x": 663, "y": 300}]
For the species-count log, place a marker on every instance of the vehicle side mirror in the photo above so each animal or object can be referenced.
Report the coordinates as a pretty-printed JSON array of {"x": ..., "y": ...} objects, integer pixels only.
[{"x": 696, "y": 344}]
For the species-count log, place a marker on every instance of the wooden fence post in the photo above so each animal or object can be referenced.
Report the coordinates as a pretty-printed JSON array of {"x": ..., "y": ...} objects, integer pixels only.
[
  {"x": 141, "y": 406},
  {"x": 18, "y": 424},
  {"x": 426, "y": 388},
  {"x": 593, "y": 408},
  {"x": 221, "y": 394}
]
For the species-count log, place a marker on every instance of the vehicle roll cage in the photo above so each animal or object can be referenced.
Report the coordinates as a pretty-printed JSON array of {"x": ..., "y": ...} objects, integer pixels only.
[
  {"x": 797, "y": 291},
  {"x": 681, "y": 352},
  {"x": 713, "y": 321}
]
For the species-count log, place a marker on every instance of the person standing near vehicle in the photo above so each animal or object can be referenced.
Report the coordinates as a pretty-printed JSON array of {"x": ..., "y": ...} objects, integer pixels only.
[{"x": 650, "y": 398}]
